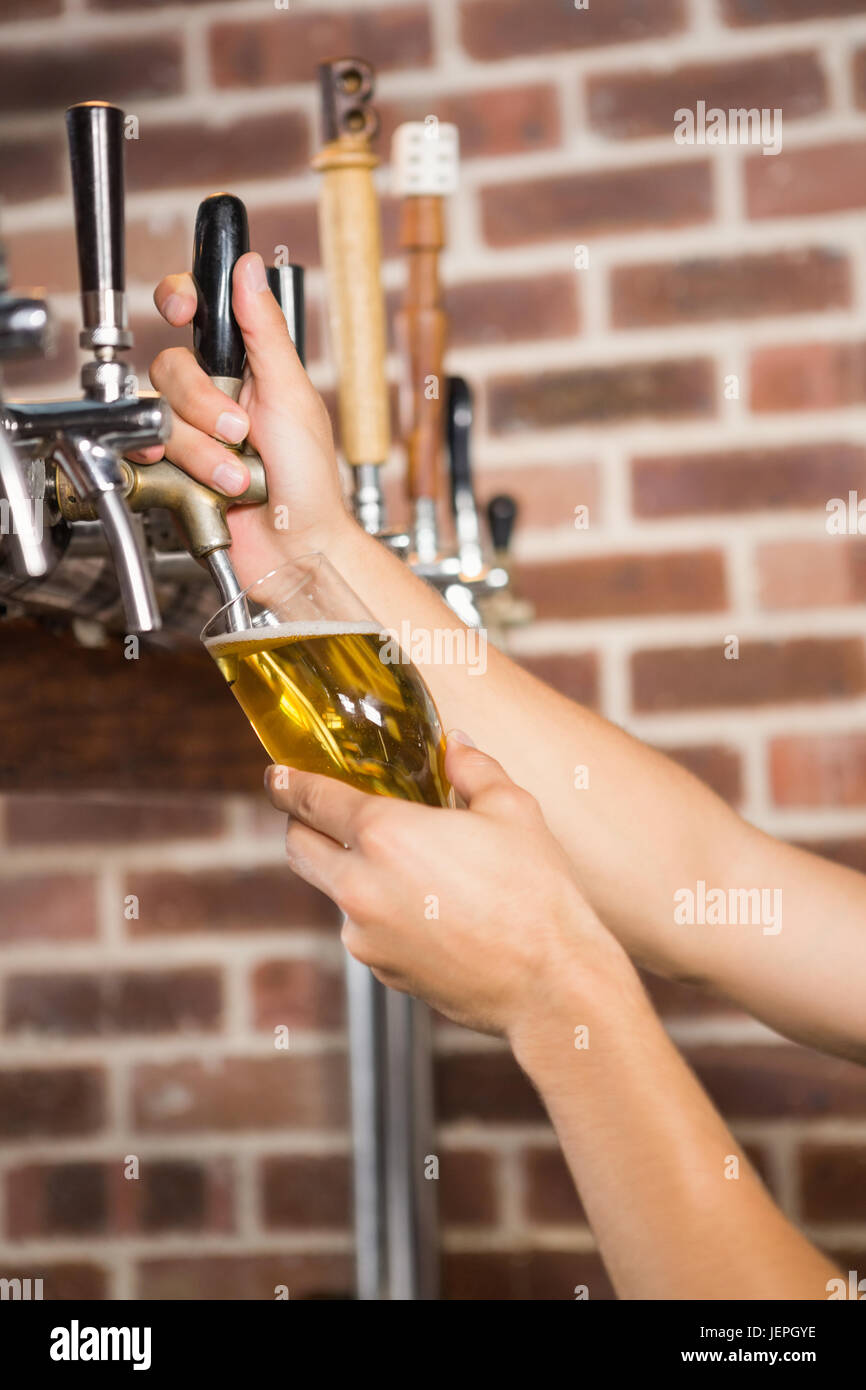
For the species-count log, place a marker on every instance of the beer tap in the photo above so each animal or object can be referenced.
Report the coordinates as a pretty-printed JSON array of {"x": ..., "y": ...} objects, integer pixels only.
[
  {"x": 505, "y": 608},
  {"x": 424, "y": 163},
  {"x": 424, "y": 172},
  {"x": 84, "y": 438},
  {"x": 352, "y": 253},
  {"x": 221, "y": 236},
  {"x": 25, "y": 331}
]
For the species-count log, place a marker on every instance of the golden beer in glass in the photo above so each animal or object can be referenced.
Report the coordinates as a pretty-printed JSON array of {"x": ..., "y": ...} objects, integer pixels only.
[{"x": 315, "y": 675}]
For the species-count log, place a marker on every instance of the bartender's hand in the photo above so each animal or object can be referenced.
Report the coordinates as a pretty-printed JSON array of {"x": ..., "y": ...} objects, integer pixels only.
[
  {"x": 279, "y": 410},
  {"x": 477, "y": 911}
]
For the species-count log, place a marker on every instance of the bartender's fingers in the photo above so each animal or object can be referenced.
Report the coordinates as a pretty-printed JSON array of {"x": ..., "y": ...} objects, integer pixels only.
[
  {"x": 271, "y": 355},
  {"x": 192, "y": 395},
  {"x": 321, "y": 802},
  {"x": 204, "y": 458},
  {"x": 151, "y": 455},
  {"x": 315, "y": 857},
  {"x": 176, "y": 299}
]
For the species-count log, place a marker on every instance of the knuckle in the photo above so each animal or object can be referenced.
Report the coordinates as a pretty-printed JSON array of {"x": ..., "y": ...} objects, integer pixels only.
[
  {"x": 355, "y": 939},
  {"x": 511, "y": 800},
  {"x": 357, "y": 897},
  {"x": 374, "y": 828},
  {"x": 307, "y": 798},
  {"x": 165, "y": 364}
]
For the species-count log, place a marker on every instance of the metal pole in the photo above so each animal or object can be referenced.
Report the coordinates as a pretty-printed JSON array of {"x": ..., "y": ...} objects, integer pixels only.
[{"x": 367, "y": 1070}]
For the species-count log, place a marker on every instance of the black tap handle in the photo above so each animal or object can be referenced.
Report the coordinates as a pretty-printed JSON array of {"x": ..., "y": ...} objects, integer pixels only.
[
  {"x": 501, "y": 516},
  {"x": 458, "y": 429},
  {"x": 222, "y": 234},
  {"x": 95, "y": 132}
]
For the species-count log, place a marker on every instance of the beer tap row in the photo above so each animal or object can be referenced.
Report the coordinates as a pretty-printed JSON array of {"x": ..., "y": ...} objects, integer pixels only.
[{"x": 83, "y": 526}]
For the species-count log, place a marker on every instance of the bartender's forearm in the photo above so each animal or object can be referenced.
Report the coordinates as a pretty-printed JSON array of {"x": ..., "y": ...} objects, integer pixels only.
[
  {"x": 676, "y": 1209},
  {"x": 644, "y": 829}
]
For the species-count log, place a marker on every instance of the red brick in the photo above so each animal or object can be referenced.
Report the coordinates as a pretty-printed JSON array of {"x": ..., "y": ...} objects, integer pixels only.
[
  {"x": 551, "y": 1198},
  {"x": 36, "y": 1103},
  {"x": 220, "y": 900},
  {"x": 484, "y": 1086},
  {"x": 745, "y": 480},
  {"x": 495, "y": 121},
  {"x": 719, "y": 767},
  {"x": 237, "y": 1277},
  {"x": 850, "y": 853},
  {"x": 287, "y": 47},
  {"x": 674, "y": 999},
  {"x": 764, "y": 673},
  {"x": 82, "y": 1005},
  {"x": 775, "y": 11},
  {"x": 573, "y": 675},
  {"x": 128, "y": 71},
  {"x": 239, "y": 1093},
  {"x": 176, "y": 154},
  {"x": 812, "y": 574},
  {"x": 523, "y": 1275},
  {"x": 47, "y": 907},
  {"x": 768, "y": 1082},
  {"x": 294, "y": 225},
  {"x": 30, "y": 9},
  {"x": 33, "y": 167},
  {"x": 580, "y": 205},
  {"x": 47, "y": 256},
  {"x": 808, "y": 181},
  {"x": 859, "y": 67},
  {"x": 781, "y": 282},
  {"x": 110, "y": 820},
  {"x": 808, "y": 376},
  {"x": 819, "y": 769},
  {"x": 67, "y": 1282},
  {"x": 601, "y": 395},
  {"x": 297, "y": 994},
  {"x": 467, "y": 1188},
  {"x": 546, "y": 493},
  {"x": 307, "y": 1192},
  {"x": 833, "y": 1182},
  {"x": 492, "y": 29},
  {"x": 511, "y": 310},
  {"x": 54, "y": 1199},
  {"x": 620, "y": 586},
  {"x": 49, "y": 1199},
  {"x": 627, "y": 105}
]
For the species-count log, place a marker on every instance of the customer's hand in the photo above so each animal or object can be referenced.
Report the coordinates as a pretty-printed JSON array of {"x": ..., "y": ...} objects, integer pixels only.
[
  {"x": 477, "y": 910},
  {"x": 279, "y": 410}
]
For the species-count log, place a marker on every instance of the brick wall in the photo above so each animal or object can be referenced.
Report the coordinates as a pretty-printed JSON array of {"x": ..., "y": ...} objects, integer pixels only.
[{"x": 602, "y": 387}]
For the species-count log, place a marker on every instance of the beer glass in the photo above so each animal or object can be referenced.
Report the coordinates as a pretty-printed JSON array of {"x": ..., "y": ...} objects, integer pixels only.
[{"x": 325, "y": 687}]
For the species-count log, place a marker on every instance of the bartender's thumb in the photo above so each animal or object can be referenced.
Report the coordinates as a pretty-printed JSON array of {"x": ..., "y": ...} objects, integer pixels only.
[
  {"x": 270, "y": 351},
  {"x": 481, "y": 781}
]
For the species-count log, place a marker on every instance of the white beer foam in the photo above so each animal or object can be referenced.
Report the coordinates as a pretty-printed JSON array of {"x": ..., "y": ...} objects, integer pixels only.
[{"x": 324, "y": 627}]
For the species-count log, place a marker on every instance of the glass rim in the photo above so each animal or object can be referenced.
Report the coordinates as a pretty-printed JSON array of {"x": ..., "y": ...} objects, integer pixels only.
[{"x": 317, "y": 555}]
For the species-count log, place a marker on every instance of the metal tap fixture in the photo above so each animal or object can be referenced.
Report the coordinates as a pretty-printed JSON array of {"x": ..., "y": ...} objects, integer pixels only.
[
  {"x": 25, "y": 331},
  {"x": 221, "y": 237},
  {"x": 83, "y": 439},
  {"x": 424, "y": 157}
]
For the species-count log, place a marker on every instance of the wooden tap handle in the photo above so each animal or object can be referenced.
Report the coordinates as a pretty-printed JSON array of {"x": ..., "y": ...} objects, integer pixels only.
[
  {"x": 422, "y": 328},
  {"x": 352, "y": 254}
]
